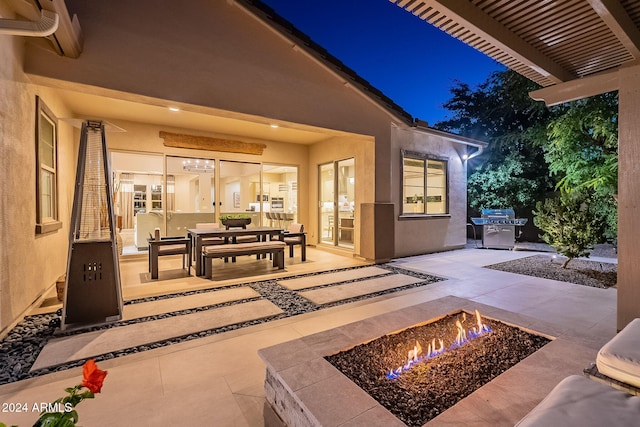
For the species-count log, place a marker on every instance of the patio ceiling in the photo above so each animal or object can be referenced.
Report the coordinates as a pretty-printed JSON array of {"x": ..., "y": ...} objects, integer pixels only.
[
  {"x": 575, "y": 45},
  {"x": 190, "y": 117}
]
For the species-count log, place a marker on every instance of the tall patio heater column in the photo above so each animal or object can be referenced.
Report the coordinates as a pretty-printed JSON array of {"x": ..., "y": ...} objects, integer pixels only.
[{"x": 93, "y": 294}]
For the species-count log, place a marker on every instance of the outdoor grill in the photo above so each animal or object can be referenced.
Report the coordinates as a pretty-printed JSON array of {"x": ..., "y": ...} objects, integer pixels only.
[{"x": 499, "y": 228}]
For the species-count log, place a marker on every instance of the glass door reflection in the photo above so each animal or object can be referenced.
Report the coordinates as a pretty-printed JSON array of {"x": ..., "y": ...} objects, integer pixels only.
[
  {"x": 346, "y": 202},
  {"x": 327, "y": 204},
  {"x": 190, "y": 196}
]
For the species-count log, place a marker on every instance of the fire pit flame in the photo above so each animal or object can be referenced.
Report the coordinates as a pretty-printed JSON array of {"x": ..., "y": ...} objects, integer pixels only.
[{"x": 463, "y": 336}]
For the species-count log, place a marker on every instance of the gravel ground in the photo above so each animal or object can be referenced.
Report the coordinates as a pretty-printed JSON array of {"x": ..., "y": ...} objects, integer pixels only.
[
  {"x": 578, "y": 271},
  {"x": 599, "y": 273}
]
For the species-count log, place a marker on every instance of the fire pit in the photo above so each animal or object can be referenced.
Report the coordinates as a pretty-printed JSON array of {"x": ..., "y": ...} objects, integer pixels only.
[
  {"x": 427, "y": 379},
  {"x": 304, "y": 389}
]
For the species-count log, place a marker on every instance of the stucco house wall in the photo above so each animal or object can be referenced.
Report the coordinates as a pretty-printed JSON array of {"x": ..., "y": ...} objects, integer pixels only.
[
  {"x": 29, "y": 263},
  {"x": 213, "y": 58},
  {"x": 215, "y": 55},
  {"x": 414, "y": 235}
]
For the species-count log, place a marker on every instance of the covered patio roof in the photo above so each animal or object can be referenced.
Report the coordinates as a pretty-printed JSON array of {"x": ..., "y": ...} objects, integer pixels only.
[{"x": 573, "y": 47}]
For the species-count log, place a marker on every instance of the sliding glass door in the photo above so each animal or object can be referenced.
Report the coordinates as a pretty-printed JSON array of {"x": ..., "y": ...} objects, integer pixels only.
[
  {"x": 190, "y": 197},
  {"x": 327, "y": 212}
]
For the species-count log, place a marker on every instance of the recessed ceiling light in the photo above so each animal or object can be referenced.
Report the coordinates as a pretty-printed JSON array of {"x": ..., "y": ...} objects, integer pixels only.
[
  {"x": 274, "y": 126},
  {"x": 174, "y": 109}
]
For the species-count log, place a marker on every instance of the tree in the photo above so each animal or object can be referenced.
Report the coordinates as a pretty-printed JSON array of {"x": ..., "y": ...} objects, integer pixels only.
[
  {"x": 570, "y": 223},
  {"x": 582, "y": 153},
  {"x": 583, "y": 144},
  {"x": 505, "y": 184},
  {"x": 512, "y": 171}
]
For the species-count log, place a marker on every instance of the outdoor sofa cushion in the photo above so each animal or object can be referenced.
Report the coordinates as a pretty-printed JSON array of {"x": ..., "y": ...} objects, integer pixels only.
[
  {"x": 620, "y": 358},
  {"x": 580, "y": 402}
]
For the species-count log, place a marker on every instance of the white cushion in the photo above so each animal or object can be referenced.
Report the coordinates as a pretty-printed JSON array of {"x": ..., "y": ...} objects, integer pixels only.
[
  {"x": 578, "y": 401},
  {"x": 620, "y": 357}
]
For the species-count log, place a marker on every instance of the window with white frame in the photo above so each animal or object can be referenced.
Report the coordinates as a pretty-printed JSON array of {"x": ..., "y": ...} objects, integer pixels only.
[
  {"x": 424, "y": 185},
  {"x": 46, "y": 169}
]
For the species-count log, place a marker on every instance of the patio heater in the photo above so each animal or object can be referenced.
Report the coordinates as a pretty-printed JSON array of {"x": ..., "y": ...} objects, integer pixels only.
[{"x": 92, "y": 289}]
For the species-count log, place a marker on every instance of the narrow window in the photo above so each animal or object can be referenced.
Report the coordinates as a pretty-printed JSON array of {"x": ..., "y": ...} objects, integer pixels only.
[
  {"x": 46, "y": 170},
  {"x": 413, "y": 186},
  {"x": 436, "y": 187}
]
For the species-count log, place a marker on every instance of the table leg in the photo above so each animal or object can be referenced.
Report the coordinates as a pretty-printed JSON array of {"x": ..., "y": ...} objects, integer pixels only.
[{"x": 198, "y": 257}]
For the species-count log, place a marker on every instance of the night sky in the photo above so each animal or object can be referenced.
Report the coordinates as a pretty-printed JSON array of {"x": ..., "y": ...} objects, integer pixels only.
[{"x": 409, "y": 60}]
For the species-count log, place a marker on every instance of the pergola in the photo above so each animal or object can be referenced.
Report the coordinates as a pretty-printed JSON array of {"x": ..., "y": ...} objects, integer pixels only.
[{"x": 574, "y": 49}]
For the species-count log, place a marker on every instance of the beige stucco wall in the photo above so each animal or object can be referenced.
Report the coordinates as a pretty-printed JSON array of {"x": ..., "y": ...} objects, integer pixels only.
[
  {"x": 430, "y": 234},
  {"x": 220, "y": 56},
  {"x": 340, "y": 148},
  {"x": 215, "y": 55},
  {"x": 29, "y": 264}
]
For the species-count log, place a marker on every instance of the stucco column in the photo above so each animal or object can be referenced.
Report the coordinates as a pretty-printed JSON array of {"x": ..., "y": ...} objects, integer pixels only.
[{"x": 629, "y": 196}]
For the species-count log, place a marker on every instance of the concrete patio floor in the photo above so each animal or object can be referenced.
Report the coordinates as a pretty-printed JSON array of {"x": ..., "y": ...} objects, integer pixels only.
[{"x": 218, "y": 380}]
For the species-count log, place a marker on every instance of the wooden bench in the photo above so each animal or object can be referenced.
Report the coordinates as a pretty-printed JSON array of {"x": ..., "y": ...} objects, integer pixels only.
[{"x": 276, "y": 248}]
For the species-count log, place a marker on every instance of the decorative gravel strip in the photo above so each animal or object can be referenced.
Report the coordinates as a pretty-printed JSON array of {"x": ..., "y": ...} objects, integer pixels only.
[
  {"x": 20, "y": 348},
  {"x": 181, "y": 294},
  {"x": 578, "y": 271},
  {"x": 288, "y": 301}
]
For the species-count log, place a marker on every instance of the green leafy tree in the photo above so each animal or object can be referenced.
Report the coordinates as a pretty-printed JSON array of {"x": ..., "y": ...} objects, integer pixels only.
[
  {"x": 507, "y": 183},
  {"x": 582, "y": 153},
  {"x": 512, "y": 171},
  {"x": 570, "y": 223},
  {"x": 583, "y": 145}
]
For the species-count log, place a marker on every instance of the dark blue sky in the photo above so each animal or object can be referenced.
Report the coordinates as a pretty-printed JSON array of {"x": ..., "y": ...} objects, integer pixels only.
[{"x": 410, "y": 61}]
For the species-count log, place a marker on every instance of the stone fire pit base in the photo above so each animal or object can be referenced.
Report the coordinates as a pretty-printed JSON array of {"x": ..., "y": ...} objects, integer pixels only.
[{"x": 306, "y": 390}]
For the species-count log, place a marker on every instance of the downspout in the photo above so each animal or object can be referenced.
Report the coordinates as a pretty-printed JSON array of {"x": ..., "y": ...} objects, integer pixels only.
[
  {"x": 47, "y": 25},
  {"x": 480, "y": 149}
]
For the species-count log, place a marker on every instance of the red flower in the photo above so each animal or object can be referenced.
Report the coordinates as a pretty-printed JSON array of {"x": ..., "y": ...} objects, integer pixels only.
[{"x": 93, "y": 377}]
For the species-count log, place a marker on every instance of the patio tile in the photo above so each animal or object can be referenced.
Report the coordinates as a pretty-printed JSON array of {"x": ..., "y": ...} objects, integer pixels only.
[
  {"x": 134, "y": 311},
  {"x": 327, "y": 278},
  {"x": 218, "y": 380},
  {"x": 355, "y": 289},
  {"x": 77, "y": 347}
]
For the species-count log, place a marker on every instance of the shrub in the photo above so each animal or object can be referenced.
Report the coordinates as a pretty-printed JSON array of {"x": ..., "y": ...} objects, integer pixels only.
[{"x": 570, "y": 224}]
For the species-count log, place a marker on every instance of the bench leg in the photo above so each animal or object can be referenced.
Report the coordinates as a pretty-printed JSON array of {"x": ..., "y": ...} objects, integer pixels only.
[
  {"x": 278, "y": 259},
  {"x": 208, "y": 267},
  {"x": 290, "y": 251}
]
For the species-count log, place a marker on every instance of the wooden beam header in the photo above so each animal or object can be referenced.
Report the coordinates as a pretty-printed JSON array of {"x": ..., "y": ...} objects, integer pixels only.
[{"x": 179, "y": 140}]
